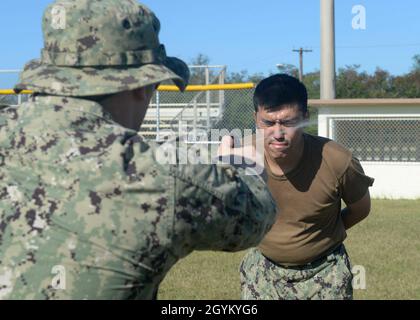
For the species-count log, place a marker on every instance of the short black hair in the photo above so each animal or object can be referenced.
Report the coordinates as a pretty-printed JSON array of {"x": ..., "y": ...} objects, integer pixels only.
[{"x": 278, "y": 90}]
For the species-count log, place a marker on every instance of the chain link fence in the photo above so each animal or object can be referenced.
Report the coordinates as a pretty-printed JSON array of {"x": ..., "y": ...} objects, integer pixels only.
[
  {"x": 13, "y": 100},
  {"x": 197, "y": 112},
  {"x": 380, "y": 139}
]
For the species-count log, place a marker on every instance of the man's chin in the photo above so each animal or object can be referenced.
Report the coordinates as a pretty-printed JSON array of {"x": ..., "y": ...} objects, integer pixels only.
[{"x": 276, "y": 154}]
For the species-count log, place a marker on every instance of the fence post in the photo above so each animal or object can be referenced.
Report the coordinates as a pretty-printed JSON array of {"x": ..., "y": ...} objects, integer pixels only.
[
  {"x": 195, "y": 119},
  {"x": 222, "y": 92},
  {"x": 208, "y": 97},
  {"x": 157, "y": 116}
]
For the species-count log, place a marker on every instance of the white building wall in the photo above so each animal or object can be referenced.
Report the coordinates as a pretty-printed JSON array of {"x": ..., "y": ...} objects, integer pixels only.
[{"x": 393, "y": 180}]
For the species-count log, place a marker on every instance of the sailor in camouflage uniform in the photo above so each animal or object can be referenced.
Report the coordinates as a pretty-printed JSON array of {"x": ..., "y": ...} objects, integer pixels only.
[{"x": 86, "y": 210}]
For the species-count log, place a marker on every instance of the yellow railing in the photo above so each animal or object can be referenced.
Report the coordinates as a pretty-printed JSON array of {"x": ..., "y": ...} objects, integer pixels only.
[
  {"x": 211, "y": 87},
  {"x": 9, "y": 92}
]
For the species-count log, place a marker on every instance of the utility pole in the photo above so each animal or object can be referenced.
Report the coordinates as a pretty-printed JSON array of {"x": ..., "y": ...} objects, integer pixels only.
[
  {"x": 301, "y": 51},
  {"x": 327, "y": 49}
]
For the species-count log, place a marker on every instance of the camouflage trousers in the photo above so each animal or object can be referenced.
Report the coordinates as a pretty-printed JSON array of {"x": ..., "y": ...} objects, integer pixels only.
[{"x": 327, "y": 278}]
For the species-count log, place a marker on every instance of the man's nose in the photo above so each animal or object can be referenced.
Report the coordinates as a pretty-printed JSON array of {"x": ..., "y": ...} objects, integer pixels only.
[{"x": 278, "y": 131}]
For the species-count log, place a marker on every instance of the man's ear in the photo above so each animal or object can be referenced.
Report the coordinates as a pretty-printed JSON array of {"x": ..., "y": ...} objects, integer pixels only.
[{"x": 306, "y": 115}]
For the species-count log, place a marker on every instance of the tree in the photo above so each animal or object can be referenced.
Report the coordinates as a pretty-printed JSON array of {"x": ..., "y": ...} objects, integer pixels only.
[
  {"x": 350, "y": 83},
  {"x": 313, "y": 84},
  {"x": 198, "y": 75},
  {"x": 407, "y": 86},
  {"x": 380, "y": 84},
  {"x": 243, "y": 76},
  {"x": 289, "y": 69}
]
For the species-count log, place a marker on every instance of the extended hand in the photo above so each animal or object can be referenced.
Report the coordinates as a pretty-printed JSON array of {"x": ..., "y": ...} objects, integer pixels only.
[{"x": 247, "y": 155}]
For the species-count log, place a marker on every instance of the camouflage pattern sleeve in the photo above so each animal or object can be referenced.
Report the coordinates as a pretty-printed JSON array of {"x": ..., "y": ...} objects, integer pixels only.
[{"x": 218, "y": 207}]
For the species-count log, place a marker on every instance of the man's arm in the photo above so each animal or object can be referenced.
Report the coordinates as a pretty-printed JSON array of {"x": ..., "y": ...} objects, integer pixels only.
[
  {"x": 221, "y": 207},
  {"x": 356, "y": 212},
  {"x": 354, "y": 190}
]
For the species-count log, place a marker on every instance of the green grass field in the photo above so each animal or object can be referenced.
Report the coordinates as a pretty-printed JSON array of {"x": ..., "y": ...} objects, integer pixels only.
[{"x": 386, "y": 244}]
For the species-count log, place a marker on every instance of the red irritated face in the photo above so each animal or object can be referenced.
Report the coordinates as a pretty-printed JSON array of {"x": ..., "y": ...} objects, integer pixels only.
[{"x": 283, "y": 130}]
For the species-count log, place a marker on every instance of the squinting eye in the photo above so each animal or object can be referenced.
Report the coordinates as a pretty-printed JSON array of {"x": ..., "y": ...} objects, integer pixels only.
[
  {"x": 268, "y": 123},
  {"x": 290, "y": 123}
]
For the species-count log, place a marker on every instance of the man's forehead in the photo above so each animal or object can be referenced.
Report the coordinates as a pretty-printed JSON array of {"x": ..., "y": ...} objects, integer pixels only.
[{"x": 283, "y": 110}]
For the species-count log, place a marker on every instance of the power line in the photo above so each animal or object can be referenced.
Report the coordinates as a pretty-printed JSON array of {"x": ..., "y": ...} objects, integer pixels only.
[
  {"x": 381, "y": 46},
  {"x": 376, "y": 46}
]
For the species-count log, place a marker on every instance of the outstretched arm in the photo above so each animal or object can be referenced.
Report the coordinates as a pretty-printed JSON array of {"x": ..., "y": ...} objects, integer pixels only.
[{"x": 220, "y": 207}]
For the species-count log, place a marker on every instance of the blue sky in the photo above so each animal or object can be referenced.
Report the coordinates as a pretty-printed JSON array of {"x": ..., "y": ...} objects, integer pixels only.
[{"x": 247, "y": 35}]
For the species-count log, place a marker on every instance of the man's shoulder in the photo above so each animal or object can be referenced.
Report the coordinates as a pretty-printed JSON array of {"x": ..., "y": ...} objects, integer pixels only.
[
  {"x": 327, "y": 146},
  {"x": 335, "y": 155}
]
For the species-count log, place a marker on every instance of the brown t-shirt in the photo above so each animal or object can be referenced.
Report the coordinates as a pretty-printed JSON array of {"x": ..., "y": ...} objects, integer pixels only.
[{"x": 309, "y": 223}]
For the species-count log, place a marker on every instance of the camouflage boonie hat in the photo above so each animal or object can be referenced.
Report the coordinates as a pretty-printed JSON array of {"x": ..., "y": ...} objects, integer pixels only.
[{"x": 98, "y": 47}]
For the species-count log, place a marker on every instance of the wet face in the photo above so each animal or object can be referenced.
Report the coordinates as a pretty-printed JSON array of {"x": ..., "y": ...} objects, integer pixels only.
[{"x": 283, "y": 130}]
